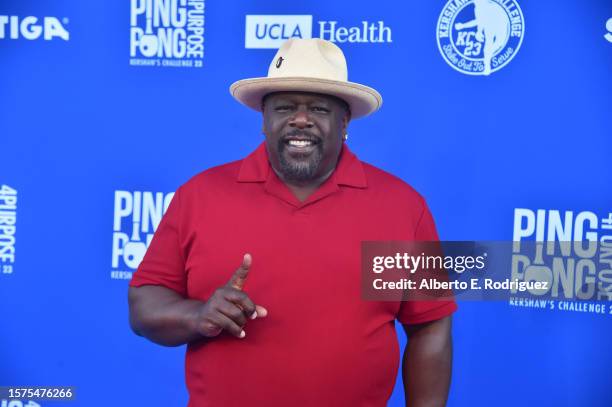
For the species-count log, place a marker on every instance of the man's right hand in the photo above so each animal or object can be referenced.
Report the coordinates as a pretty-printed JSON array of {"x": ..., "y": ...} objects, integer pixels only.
[
  {"x": 229, "y": 308},
  {"x": 166, "y": 317}
]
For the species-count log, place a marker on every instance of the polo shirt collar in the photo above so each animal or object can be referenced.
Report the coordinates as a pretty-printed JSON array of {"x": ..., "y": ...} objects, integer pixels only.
[
  {"x": 349, "y": 170},
  {"x": 256, "y": 168}
]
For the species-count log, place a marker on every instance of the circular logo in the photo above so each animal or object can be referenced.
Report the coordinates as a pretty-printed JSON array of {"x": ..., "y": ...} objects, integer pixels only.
[{"x": 479, "y": 37}]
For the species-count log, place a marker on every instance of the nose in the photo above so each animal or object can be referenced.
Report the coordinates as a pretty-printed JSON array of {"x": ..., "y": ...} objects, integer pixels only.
[{"x": 301, "y": 119}]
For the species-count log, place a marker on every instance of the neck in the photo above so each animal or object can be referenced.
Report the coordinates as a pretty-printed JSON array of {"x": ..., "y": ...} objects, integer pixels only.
[{"x": 302, "y": 190}]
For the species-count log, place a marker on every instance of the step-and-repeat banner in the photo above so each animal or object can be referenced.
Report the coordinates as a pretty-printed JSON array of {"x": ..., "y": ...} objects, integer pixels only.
[{"x": 497, "y": 111}]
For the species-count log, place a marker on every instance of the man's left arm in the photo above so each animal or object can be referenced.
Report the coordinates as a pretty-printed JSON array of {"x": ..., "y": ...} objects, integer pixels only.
[{"x": 426, "y": 365}]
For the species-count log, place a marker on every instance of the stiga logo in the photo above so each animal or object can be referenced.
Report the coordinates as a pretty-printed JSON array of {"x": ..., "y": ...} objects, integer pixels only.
[
  {"x": 608, "y": 35},
  {"x": 137, "y": 215},
  {"x": 573, "y": 254},
  {"x": 270, "y": 31},
  {"x": 479, "y": 37},
  {"x": 167, "y": 33},
  {"x": 33, "y": 28},
  {"x": 8, "y": 228}
]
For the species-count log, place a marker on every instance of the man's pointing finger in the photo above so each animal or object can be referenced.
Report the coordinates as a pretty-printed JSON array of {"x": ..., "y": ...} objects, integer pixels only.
[{"x": 239, "y": 277}]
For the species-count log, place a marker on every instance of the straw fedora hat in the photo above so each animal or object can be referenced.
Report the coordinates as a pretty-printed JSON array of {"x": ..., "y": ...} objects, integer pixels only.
[{"x": 308, "y": 65}]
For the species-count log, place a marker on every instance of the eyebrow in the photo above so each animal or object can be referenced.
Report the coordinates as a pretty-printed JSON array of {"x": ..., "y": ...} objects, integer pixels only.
[
  {"x": 325, "y": 102},
  {"x": 289, "y": 100},
  {"x": 283, "y": 100}
]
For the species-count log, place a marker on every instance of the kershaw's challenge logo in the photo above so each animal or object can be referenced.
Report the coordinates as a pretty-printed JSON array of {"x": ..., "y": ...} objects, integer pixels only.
[
  {"x": 137, "y": 215},
  {"x": 167, "y": 33},
  {"x": 479, "y": 37}
]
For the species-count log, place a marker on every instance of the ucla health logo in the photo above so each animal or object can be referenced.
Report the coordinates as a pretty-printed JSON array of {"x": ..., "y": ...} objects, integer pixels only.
[
  {"x": 137, "y": 215},
  {"x": 479, "y": 37},
  {"x": 168, "y": 33},
  {"x": 270, "y": 31}
]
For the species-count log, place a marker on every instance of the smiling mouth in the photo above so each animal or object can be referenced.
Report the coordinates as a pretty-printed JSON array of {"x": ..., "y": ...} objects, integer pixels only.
[{"x": 300, "y": 143}]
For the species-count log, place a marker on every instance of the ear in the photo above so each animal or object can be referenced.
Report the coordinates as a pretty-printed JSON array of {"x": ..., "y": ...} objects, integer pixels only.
[
  {"x": 263, "y": 124},
  {"x": 345, "y": 121}
]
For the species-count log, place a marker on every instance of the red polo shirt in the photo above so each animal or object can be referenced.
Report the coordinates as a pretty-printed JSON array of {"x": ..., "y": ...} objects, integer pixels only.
[{"x": 321, "y": 344}]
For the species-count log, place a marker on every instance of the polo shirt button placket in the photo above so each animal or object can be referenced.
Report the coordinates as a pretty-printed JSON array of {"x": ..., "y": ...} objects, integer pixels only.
[
  {"x": 301, "y": 213},
  {"x": 301, "y": 222}
]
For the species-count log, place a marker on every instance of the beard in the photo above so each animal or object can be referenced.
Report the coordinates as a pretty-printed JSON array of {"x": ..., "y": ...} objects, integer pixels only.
[{"x": 300, "y": 167}]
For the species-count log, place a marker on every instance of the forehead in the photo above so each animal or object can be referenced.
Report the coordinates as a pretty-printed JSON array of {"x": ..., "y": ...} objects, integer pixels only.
[{"x": 304, "y": 97}]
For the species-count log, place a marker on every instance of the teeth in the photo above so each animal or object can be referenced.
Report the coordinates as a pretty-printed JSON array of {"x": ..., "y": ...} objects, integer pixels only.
[{"x": 300, "y": 143}]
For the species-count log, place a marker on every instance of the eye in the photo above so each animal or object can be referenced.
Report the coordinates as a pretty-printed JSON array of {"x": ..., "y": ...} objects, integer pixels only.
[
  {"x": 319, "y": 109},
  {"x": 283, "y": 108}
]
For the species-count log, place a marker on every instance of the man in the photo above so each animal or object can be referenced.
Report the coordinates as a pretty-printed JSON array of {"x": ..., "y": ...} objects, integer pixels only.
[{"x": 294, "y": 212}]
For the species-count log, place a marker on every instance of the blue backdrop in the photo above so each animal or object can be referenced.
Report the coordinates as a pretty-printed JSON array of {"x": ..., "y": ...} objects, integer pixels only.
[{"x": 88, "y": 109}]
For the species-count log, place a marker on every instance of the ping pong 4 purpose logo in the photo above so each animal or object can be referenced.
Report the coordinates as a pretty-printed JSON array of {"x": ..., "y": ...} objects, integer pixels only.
[
  {"x": 479, "y": 37},
  {"x": 573, "y": 253},
  {"x": 8, "y": 228},
  {"x": 18, "y": 403},
  {"x": 167, "y": 33},
  {"x": 136, "y": 217}
]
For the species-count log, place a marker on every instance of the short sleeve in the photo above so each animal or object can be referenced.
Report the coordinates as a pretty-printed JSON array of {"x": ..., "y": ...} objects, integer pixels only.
[
  {"x": 164, "y": 263},
  {"x": 417, "y": 312}
]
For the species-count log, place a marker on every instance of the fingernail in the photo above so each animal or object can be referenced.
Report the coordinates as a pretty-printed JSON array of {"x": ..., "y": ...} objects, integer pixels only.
[
  {"x": 242, "y": 334},
  {"x": 254, "y": 315}
]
